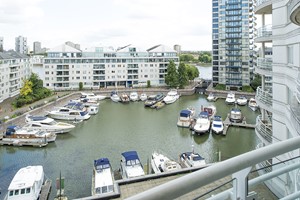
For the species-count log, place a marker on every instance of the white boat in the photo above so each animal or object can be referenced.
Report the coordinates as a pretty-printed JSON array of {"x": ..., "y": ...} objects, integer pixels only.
[
  {"x": 46, "y": 124},
  {"x": 230, "y": 99},
  {"x": 192, "y": 159},
  {"x": 134, "y": 96},
  {"x": 103, "y": 178},
  {"x": 131, "y": 165},
  {"x": 217, "y": 125},
  {"x": 161, "y": 163},
  {"x": 242, "y": 101},
  {"x": 252, "y": 104},
  {"x": 235, "y": 115},
  {"x": 202, "y": 124},
  {"x": 92, "y": 96},
  {"x": 86, "y": 102},
  {"x": 171, "y": 97},
  {"x": 153, "y": 99},
  {"x": 124, "y": 98},
  {"x": 92, "y": 110},
  {"x": 64, "y": 113},
  {"x": 26, "y": 184},
  {"x": 115, "y": 97},
  {"x": 211, "y": 97},
  {"x": 143, "y": 97},
  {"x": 211, "y": 110},
  {"x": 15, "y": 133},
  {"x": 186, "y": 117}
]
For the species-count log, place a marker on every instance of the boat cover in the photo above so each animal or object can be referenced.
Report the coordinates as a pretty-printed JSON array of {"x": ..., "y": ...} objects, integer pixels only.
[
  {"x": 203, "y": 114},
  {"x": 37, "y": 118},
  {"x": 236, "y": 110},
  {"x": 10, "y": 130},
  {"x": 101, "y": 163},
  {"x": 185, "y": 113},
  {"x": 130, "y": 155},
  {"x": 217, "y": 118}
]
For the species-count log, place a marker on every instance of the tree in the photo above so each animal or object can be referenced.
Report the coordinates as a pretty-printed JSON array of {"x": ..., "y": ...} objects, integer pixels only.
[
  {"x": 192, "y": 72},
  {"x": 256, "y": 82},
  {"x": 183, "y": 78},
  {"x": 186, "y": 58},
  {"x": 80, "y": 85},
  {"x": 148, "y": 83},
  {"x": 26, "y": 89},
  {"x": 171, "y": 77},
  {"x": 205, "y": 57}
]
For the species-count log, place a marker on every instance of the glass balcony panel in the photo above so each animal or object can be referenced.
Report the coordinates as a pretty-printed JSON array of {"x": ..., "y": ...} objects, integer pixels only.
[
  {"x": 264, "y": 97},
  {"x": 264, "y": 64},
  {"x": 264, "y": 31}
]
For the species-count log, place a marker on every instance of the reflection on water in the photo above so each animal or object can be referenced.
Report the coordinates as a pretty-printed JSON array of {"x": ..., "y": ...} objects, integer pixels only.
[{"x": 118, "y": 128}]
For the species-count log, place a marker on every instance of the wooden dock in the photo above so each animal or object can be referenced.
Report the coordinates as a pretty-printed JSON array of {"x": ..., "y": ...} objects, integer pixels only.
[
  {"x": 243, "y": 124},
  {"x": 21, "y": 143},
  {"x": 45, "y": 191}
]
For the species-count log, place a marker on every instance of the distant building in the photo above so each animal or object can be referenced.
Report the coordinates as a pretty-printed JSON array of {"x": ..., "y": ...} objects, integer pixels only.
[
  {"x": 21, "y": 45},
  {"x": 71, "y": 44},
  {"x": 1, "y": 44},
  {"x": 177, "y": 48},
  {"x": 37, "y": 47}
]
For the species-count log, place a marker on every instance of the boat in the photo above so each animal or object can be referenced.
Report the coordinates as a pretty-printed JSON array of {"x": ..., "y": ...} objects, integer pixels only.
[
  {"x": 217, "y": 125},
  {"x": 92, "y": 96},
  {"x": 230, "y": 99},
  {"x": 202, "y": 124},
  {"x": 161, "y": 163},
  {"x": 252, "y": 104},
  {"x": 143, "y": 97},
  {"x": 103, "y": 178},
  {"x": 211, "y": 110},
  {"x": 124, "y": 98},
  {"x": 154, "y": 99},
  {"x": 186, "y": 117},
  {"x": 235, "y": 115},
  {"x": 133, "y": 96},
  {"x": 192, "y": 159},
  {"x": 46, "y": 124},
  {"x": 158, "y": 105},
  {"x": 242, "y": 101},
  {"x": 26, "y": 184},
  {"x": 64, "y": 113},
  {"x": 114, "y": 96},
  {"x": 131, "y": 165},
  {"x": 17, "y": 134},
  {"x": 171, "y": 97},
  {"x": 92, "y": 106},
  {"x": 211, "y": 97},
  {"x": 92, "y": 110}
]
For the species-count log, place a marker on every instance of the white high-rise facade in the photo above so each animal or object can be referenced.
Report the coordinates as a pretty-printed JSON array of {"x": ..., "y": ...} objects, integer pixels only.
[
  {"x": 21, "y": 45},
  {"x": 1, "y": 44}
]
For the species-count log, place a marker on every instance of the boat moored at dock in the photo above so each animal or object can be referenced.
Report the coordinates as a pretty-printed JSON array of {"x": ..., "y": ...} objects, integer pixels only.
[
  {"x": 211, "y": 110},
  {"x": 154, "y": 99},
  {"x": 202, "y": 124},
  {"x": 217, "y": 125},
  {"x": 131, "y": 165},
  {"x": 235, "y": 115},
  {"x": 161, "y": 163},
  {"x": 230, "y": 99},
  {"x": 186, "y": 117},
  {"x": 242, "y": 101},
  {"x": 64, "y": 113},
  {"x": 133, "y": 96},
  {"x": 92, "y": 96},
  {"x": 171, "y": 97},
  {"x": 252, "y": 104},
  {"x": 192, "y": 159}
]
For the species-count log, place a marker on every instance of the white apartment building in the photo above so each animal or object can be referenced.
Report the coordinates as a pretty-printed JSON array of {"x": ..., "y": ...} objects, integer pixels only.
[
  {"x": 1, "y": 44},
  {"x": 14, "y": 67},
  {"x": 65, "y": 67},
  {"x": 280, "y": 106},
  {"x": 21, "y": 45},
  {"x": 37, "y": 47}
]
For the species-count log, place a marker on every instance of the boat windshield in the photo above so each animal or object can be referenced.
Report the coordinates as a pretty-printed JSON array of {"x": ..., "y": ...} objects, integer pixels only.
[
  {"x": 132, "y": 162},
  {"x": 196, "y": 158},
  {"x": 217, "y": 125}
]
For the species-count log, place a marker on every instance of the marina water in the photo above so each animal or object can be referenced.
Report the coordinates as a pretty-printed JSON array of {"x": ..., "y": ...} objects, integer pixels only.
[{"x": 121, "y": 127}]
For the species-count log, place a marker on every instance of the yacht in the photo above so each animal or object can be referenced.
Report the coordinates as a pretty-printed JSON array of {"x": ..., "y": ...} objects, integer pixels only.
[
  {"x": 230, "y": 99},
  {"x": 91, "y": 109},
  {"x": 124, "y": 98},
  {"x": 26, "y": 184},
  {"x": 115, "y": 97},
  {"x": 202, "y": 124},
  {"x": 217, "y": 125},
  {"x": 131, "y": 165},
  {"x": 103, "y": 178},
  {"x": 46, "y": 124},
  {"x": 252, "y": 104},
  {"x": 211, "y": 97},
  {"x": 192, "y": 159},
  {"x": 64, "y": 113},
  {"x": 236, "y": 115},
  {"x": 92, "y": 96},
  {"x": 15, "y": 133},
  {"x": 143, "y": 97},
  {"x": 186, "y": 117},
  {"x": 154, "y": 99},
  {"x": 242, "y": 101},
  {"x": 161, "y": 163},
  {"x": 134, "y": 96},
  {"x": 171, "y": 97},
  {"x": 211, "y": 110}
]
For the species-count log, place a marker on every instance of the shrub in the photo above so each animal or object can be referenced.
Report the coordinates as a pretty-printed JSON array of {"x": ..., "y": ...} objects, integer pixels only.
[
  {"x": 247, "y": 88},
  {"x": 220, "y": 87}
]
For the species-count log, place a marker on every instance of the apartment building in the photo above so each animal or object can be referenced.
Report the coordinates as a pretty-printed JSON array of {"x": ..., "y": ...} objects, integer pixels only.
[
  {"x": 1, "y": 44},
  {"x": 21, "y": 45},
  {"x": 232, "y": 43},
  {"x": 37, "y": 47},
  {"x": 101, "y": 67},
  {"x": 280, "y": 108}
]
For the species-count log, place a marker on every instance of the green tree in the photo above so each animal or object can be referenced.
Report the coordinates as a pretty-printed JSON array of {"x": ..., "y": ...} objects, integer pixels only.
[
  {"x": 148, "y": 83},
  {"x": 27, "y": 88},
  {"x": 186, "y": 58},
  {"x": 192, "y": 72},
  {"x": 183, "y": 78},
  {"x": 171, "y": 77},
  {"x": 80, "y": 85},
  {"x": 256, "y": 82},
  {"x": 37, "y": 83},
  {"x": 205, "y": 57}
]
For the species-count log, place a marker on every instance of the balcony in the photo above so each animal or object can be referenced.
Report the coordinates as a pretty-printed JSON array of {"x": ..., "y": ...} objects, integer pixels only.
[
  {"x": 264, "y": 99},
  {"x": 294, "y": 11},
  {"x": 295, "y": 116},
  {"x": 263, "y": 129},
  {"x": 263, "y": 7},
  {"x": 264, "y": 34},
  {"x": 298, "y": 88},
  {"x": 264, "y": 66}
]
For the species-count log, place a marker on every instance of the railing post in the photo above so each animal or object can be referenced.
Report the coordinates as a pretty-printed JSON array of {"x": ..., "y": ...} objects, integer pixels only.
[{"x": 240, "y": 184}]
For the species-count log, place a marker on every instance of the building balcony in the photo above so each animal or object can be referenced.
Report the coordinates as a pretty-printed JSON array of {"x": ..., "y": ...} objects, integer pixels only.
[
  {"x": 264, "y": 99},
  {"x": 263, "y": 7},
  {"x": 264, "y": 34},
  {"x": 264, "y": 66},
  {"x": 263, "y": 129},
  {"x": 298, "y": 88},
  {"x": 295, "y": 116},
  {"x": 294, "y": 11}
]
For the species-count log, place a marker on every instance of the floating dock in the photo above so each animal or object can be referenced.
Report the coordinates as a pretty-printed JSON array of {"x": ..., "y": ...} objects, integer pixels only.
[
  {"x": 46, "y": 188},
  {"x": 20, "y": 143},
  {"x": 243, "y": 124}
]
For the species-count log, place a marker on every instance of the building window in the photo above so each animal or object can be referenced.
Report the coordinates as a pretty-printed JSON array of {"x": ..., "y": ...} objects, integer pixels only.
[{"x": 290, "y": 55}]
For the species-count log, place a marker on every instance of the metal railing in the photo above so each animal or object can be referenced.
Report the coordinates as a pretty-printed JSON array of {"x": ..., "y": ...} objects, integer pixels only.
[
  {"x": 265, "y": 64},
  {"x": 264, "y": 129},
  {"x": 264, "y": 97},
  {"x": 264, "y": 31}
]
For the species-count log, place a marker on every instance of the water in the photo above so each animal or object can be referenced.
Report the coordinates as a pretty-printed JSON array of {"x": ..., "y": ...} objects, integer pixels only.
[
  {"x": 118, "y": 128},
  {"x": 205, "y": 72}
]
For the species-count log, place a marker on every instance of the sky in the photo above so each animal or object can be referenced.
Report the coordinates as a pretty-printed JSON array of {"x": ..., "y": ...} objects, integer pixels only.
[{"x": 116, "y": 23}]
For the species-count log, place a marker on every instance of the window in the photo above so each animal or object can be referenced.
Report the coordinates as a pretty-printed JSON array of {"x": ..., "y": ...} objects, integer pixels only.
[
  {"x": 27, "y": 190},
  {"x": 23, "y": 191},
  {"x": 16, "y": 192},
  {"x": 290, "y": 55}
]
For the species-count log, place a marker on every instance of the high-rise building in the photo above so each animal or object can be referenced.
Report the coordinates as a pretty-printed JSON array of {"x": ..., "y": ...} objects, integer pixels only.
[
  {"x": 1, "y": 44},
  {"x": 21, "y": 45},
  {"x": 37, "y": 47},
  {"x": 177, "y": 48},
  {"x": 232, "y": 43}
]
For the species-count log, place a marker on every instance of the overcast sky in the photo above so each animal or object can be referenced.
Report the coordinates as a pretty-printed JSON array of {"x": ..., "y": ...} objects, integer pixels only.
[{"x": 144, "y": 23}]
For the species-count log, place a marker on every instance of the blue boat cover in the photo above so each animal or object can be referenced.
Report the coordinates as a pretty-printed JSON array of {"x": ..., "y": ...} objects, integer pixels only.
[
  {"x": 10, "y": 130},
  {"x": 130, "y": 155},
  {"x": 203, "y": 114},
  {"x": 185, "y": 113},
  {"x": 101, "y": 162},
  {"x": 217, "y": 118},
  {"x": 236, "y": 109},
  {"x": 37, "y": 118}
]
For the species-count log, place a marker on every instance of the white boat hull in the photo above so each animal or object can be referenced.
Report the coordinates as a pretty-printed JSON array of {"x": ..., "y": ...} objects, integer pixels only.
[{"x": 68, "y": 117}]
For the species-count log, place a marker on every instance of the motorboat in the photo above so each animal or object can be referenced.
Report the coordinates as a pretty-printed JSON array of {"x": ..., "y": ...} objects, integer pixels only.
[
  {"x": 92, "y": 110},
  {"x": 16, "y": 134},
  {"x": 154, "y": 99},
  {"x": 131, "y": 165},
  {"x": 47, "y": 124},
  {"x": 158, "y": 105},
  {"x": 134, "y": 96},
  {"x": 92, "y": 96},
  {"x": 230, "y": 99},
  {"x": 242, "y": 101},
  {"x": 161, "y": 163},
  {"x": 211, "y": 97},
  {"x": 217, "y": 125},
  {"x": 186, "y": 117},
  {"x": 235, "y": 115},
  {"x": 202, "y": 124},
  {"x": 26, "y": 184},
  {"x": 171, "y": 97},
  {"x": 211, "y": 110},
  {"x": 103, "y": 178},
  {"x": 253, "y": 104},
  {"x": 124, "y": 98},
  {"x": 143, "y": 97},
  {"x": 64, "y": 113},
  {"x": 115, "y": 97},
  {"x": 192, "y": 159}
]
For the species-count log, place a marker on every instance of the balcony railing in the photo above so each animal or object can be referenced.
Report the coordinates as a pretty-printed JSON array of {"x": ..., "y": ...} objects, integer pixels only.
[
  {"x": 265, "y": 31},
  {"x": 295, "y": 116},
  {"x": 264, "y": 128},
  {"x": 264, "y": 97},
  {"x": 265, "y": 64},
  {"x": 298, "y": 88},
  {"x": 259, "y": 2}
]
